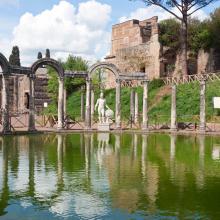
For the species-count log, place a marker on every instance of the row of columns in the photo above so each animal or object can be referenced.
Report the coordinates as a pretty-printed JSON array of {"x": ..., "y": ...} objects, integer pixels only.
[
  {"x": 134, "y": 106},
  {"x": 90, "y": 105},
  {"x": 89, "y": 111}
]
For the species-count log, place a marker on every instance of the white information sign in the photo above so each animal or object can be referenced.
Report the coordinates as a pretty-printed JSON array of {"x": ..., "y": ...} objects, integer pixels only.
[
  {"x": 216, "y": 102},
  {"x": 45, "y": 104}
]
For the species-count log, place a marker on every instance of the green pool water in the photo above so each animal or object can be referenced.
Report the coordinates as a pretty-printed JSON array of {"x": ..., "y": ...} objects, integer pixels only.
[{"x": 109, "y": 176}]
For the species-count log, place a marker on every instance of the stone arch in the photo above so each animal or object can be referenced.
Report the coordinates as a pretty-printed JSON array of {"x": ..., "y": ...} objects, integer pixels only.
[
  {"x": 109, "y": 66},
  {"x": 50, "y": 62},
  {"x": 4, "y": 64}
]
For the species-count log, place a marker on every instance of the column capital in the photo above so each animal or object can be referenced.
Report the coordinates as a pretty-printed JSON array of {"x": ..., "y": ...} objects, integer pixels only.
[
  {"x": 88, "y": 80},
  {"x": 32, "y": 76},
  {"x": 118, "y": 80},
  {"x": 61, "y": 78},
  {"x": 203, "y": 79},
  {"x": 145, "y": 81}
]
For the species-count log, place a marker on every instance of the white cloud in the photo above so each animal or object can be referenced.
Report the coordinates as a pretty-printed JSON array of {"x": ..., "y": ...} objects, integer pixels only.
[
  {"x": 148, "y": 12},
  {"x": 64, "y": 29}
]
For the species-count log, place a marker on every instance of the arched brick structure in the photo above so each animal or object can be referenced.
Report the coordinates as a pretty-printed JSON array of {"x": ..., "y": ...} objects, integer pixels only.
[
  {"x": 109, "y": 66},
  {"x": 60, "y": 71},
  {"x": 4, "y": 64},
  {"x": 50, "y": 62}
]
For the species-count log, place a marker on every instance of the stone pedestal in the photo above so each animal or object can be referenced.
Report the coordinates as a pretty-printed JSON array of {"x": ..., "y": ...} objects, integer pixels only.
[{"x": 104, "y": 126}]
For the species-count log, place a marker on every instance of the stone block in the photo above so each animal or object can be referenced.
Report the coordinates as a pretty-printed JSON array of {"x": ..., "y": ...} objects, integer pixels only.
[{"x": 104, "y": 127}]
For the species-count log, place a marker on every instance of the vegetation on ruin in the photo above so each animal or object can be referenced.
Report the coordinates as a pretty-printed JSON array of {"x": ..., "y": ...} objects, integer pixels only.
[
  {"x": 201, "y": 34},
  {"x": 182, "y": 10}
]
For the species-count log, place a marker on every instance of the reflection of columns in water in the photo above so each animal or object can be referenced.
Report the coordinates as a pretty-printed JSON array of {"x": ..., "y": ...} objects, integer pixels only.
[
  {"x": 31, "y": 183},
  {"x": 143, "y": 155},
  {"x": 135, "y": 144},
  {"x": 91, "y": 144},
  {"x": 172, "y": 155},
  {"x": 4, "y": 197},
  {"x": 117, "y": 154},
  {"x": 103, "y": 146},
  {"x": 87, "y": 154},
  {"x": 60, "y": 160},
  {"x": 117, "y": 143},
  {"x": 172, "y": 146},
  {"x": 200, "y": 173}
]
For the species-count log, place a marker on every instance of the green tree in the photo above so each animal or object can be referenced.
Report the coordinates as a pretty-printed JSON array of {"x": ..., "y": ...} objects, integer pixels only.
[
  {"x": 214, "y": 25},
  {"x": 199, "y": 35},
  {"x": 184, "y": 9},
  {"x": 72, "y": 63},
  {"x": 169, "y": 33}
]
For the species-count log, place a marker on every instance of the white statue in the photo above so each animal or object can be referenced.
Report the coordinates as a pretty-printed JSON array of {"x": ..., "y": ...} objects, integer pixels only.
[{"x": 104, "y": 116}]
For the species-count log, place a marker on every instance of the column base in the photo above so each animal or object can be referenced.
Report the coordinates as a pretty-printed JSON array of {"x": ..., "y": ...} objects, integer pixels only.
[
  {"x": 202, "y": 129},
  {"x": 32, "y": 129},
  {"x": 6, "y": 132},
  {"x": 173, "y": 129},
  {"x": 146, "y": 129}
]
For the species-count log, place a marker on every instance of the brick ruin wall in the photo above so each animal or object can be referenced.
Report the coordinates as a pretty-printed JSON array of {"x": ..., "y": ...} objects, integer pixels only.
[
  {"x": 135, "y": 47},
  {"x": 19, "y": 92}
]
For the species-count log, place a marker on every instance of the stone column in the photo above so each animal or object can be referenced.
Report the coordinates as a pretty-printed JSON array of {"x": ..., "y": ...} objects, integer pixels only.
[
  {"x": 60, "y": 104},
  {"x": 202, "y": 126},
  {"x": 173, "y": 125},
  {"x": 88, "y": 104},
  {"x": 118, "y": 104},
  {"x": 136, "y": 109},
  {"x": 31, "y": 121},
  {"x": 82, "y": 106},
  {"x": 64, "y": 103},
  {"x": 132, "y": 105},
  {"x": 6, "y": 127},
  {"x": 145, "y": 106},
  {"x": 92, "y": 104}
]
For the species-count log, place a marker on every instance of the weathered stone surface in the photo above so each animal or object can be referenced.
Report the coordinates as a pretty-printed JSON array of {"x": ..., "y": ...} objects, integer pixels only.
[{"x": 135, "y": 47}]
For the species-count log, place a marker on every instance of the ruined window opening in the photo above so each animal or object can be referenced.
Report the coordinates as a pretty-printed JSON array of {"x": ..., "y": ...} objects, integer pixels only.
[
  {"x": 26, "y": 100},
  {"x": 142, "y": 69}
]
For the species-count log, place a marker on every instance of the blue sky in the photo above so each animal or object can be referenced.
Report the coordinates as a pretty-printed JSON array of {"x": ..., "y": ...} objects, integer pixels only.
[{"x": 86, "y": 34}]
